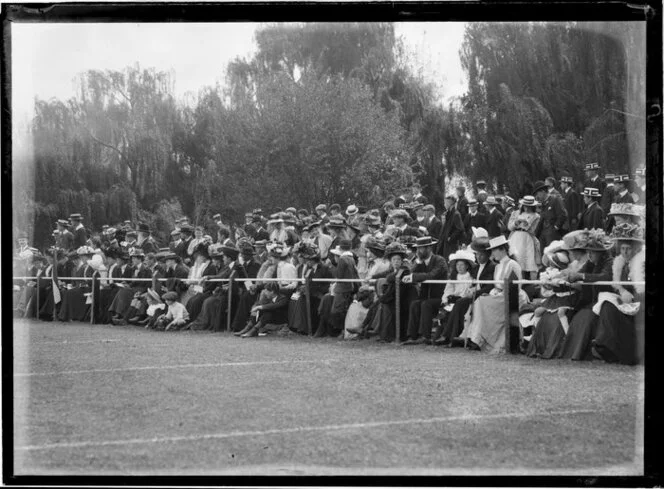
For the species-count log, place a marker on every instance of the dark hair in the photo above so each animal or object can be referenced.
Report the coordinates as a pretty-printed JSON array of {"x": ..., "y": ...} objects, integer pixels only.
[
  {"x": 149, "y": 256},
  {"x": 224, "y": 232},
  {"x": 272, "y": 287}
]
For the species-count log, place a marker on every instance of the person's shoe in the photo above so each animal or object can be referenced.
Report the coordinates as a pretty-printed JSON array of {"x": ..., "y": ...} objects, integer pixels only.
[
  {"x": 244, "y": 330},
  {"x": 473, "y": 346},
  {"x": 418, "y": 341},
  {"x": 118, "y": 322},
  {"x": 252, "y": 333},
  {"x": 442, "y": 341},
  {"x": 134, "y": 320}
]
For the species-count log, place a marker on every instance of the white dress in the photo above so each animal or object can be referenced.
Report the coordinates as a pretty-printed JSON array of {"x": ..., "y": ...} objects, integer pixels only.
[{"x": 523, "y": 243}]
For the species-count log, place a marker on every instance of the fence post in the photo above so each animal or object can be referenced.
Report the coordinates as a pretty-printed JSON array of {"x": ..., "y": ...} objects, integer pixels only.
[
  {"x": 230, "y": 302},
  {"x": 506, "y": 297},
  {"x": 37, "y": 297},
  {"x": 397, "y": 306},
  {"x": 307, "y": 296},
  {"x": 95, "y": 281}
]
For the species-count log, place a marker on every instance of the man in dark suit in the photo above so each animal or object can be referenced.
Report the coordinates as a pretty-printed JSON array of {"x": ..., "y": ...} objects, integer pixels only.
[
  {"x": 592, "y": 177},
  {"x": 494, "y": 218},
  {"x": 79, "y": 232},
  {"x": 434, "y": 224},
  {"x": 473, "y": 219},
  {"x": 573, "y": 203},
  {"x": 453, "y": 230},
  {"x": 462, "y": 202},
  {"x": 427, "y": 267},
  {"x": 622, "y": 195},
  {"x": 145, "y": 241},
  {"x": 186, "y": 231},
  {"x": 552, "y": 218},
  {"x": 261, "y": 232},
  {"x": 65, "y": 240},
  {"x": 608, "y": 193},
  {"x": 593, "y": 215}
]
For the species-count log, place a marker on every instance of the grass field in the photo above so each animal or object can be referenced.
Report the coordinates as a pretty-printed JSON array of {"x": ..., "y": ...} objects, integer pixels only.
[{"x": 123, "y": 400}]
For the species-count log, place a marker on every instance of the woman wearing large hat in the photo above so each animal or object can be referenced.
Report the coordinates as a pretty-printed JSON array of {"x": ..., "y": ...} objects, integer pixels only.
[
  {"x": 201, "y": 267},
  {"x": 597, "y": 267},
  {"x": 486, "y": 330},
  {"x": 620, "y": 327},
  {"x": 523, "y": 243},
  {"x": 396, "y": 253},
  {"x": 73, "y": 305}
]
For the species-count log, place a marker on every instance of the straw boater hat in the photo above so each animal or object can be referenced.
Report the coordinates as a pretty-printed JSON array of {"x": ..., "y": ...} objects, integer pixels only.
[
  {"x": 480, "y": 182},
  {"x": 491, "y": 200},
  {"x": 480, "y": 241},
  {"x": 627, "y": 232},
  {"x": 312, "y": 225},
  {"x": 351, "y": 210},
  {"x": 624, "y": 178},
  {"x": 508, "y": 199},
  {"x": 424, "y": 241},
  {"x": 75, "y": 217},
  {"x": 591, "y": 192},
  {"x": 409, "y": 240},
  {"x": 396, "y": 248},
  {"x": 463, "y": 254},
  {"x": 63, "y": 222},
  {"x": 566, "y": 179},
  {"x": 429, "y": 208},
  {"x": 609, "y": 178},
  {"x": 528, "y": 201},
  {"x": 497, "y": 242},
  {"x": 336, "y": 222},
  {"x": 137, "y": 252},
  {"x": 85, "y": 250},
  {"x": 473, "y": 202},
  {"x": 276, "y": 218},
  {"x": 591, "y": 166}
]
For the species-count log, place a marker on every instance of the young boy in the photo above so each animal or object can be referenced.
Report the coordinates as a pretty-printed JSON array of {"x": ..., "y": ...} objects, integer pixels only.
[{"x": 177, "y": 315}]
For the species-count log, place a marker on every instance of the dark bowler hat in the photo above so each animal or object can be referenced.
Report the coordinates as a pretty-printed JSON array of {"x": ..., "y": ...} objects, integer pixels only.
[
  {"x": 230, "y": 250},
  {"x": 143, "y": 228}
]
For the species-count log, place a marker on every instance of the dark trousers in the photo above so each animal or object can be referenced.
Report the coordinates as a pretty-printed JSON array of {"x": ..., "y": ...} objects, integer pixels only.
[{"x": 420, "y": 317}]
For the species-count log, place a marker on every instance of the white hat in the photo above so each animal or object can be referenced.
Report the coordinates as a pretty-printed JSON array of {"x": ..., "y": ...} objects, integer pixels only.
[
  {"x": 463, "y": 254},
  {"x": 498, "y": 241},
  {"x": 97, "y": 262},
  {"x": 479, "y": 232}
]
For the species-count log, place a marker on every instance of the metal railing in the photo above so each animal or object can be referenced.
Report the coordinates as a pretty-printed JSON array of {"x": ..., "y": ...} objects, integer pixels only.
[{"x": 307, "y": 281}]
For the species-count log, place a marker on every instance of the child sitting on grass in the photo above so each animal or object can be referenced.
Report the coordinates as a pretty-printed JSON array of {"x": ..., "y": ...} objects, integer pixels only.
[
  {"x": 155, "y": 309},
  {"x": 177, "y": 315}
]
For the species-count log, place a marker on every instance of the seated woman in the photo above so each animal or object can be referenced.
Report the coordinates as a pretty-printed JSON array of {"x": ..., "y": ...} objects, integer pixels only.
[
  {"x": 396, "y": 253},
  {"x": 121, "y": 306},
  {"x": 619, "y": 336},
  {"x": 201, "y": 266},
  {"x": 461, "y": 264},
  {"x": 73, "y": 305},
  {"x": 550, "y": 320},
  {"x": 597, "y": 267},
  {"x": 486, "y": 330},
  {"x": 379, "y": 268}
]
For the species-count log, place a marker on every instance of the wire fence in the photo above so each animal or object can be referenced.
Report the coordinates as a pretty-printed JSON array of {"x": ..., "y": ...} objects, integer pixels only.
[{"x": 306, "y": 282}]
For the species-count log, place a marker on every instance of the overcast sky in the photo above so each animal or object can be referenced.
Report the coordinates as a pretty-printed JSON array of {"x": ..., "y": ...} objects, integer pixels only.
[{"x": 47, "y": 57}]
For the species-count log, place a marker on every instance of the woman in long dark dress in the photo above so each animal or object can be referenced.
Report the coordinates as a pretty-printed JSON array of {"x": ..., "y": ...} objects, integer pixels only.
[
  {"x": 583, "y": 326},
  {"x": 206, "y": 268},
  {"x": 619, "y": 335},
  {"x": 550, "y": 319},
  {"x": 396, "y": 253},
  {"x": 73, "y": 306},
  {"x": 297, "y": 305}
]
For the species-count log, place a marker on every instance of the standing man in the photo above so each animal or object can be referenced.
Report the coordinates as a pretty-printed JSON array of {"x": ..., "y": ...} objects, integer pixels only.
[
  {"x": 421, "y": 311},
  {"x": 573, "y": 202},
  {"x": 145, "y": 241},
  {"x": 473, "y": 219},
  {"x": 79, "y": 232},
  {"x": 592, "y": 177},
  {"x": 453, "y": 230},
  {"x": 593, "y": 215},
  {"x": 553, "y": 216},
  {"x": 622, "y": 195},
  {"x": 494, "y": 219},
  {"x": 462, "y": 202},
  {"x": 65, "y": 240},
  {"x": 608, "y": 194},
  {"x": 434, "y": 224}
]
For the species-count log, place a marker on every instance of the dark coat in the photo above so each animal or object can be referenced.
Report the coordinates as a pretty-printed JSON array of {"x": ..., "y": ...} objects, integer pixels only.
[
  {"x": 435, "y": 226},
  {"x": 346, "y": 270},
  {"x": 237, "y": 270},
  {"x": 574, "y": 207},
  {"x": 436, "y": 270},
  {"x": 600, "y": 272},
  {"x": 80, "y": 237},
  {"x": 487, "y": 274},
  {"x": 552, "y": 219},
  {"x": 478, "y": 221},
  {"x": 149, "y": 245},
  {"x": 276, "y": 312},
  {"x": 462, "y": 207},
  {"x": 141, "y": 272},
  {"x": 598, "y": 183},
  {"x": 592, "y": 217},
  {"x": 251, "y": 268},
  {"x": 261, "y": 234},
  {"x": 608, "y": 197},
  {"x": 494, "y": 223},
  {"x": 65, "y": 240},
  {"x": 625, "y": 199},
  {"x": 451, "y": 235},
  {"x": 174, "y": 278},
  {"x": 319, "y": 289}
]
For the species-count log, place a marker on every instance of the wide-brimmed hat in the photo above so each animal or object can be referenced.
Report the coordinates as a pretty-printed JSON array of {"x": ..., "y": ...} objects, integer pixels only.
[
  {"x": 279, "y": 251},
  {"x": 230, "y": 250},
  {"x": 143, "y": 228},
  {"x": 556, "y": 254},
  {"x": 344, "y": 245},
  {"x": 472, "y": 202},
  {"x": 186, "y": 228},
  {"x": 337, "y": 222},
  {"x": 396, "y": 248},
  {"x": 311, "y": 225},
  {"x": 75, "y": 217},
  {"x": 137, "y": 253},
  {"x": 463, "y": 254},
  {"x": 97, "y": 263},
  {"x": 175, "y": 232},
  {"x": 598, "y": 241},
  {"x": 84, "y": 250},
  {"x": 539, "y": 185},
  {"x": 416, "y": 206},
  {"x": 276, "y": 218},
  {"x": 591, "y": 166},
  {"x": 214, "y": 251},
  {"x": 400, "y": 213},
  {"x": 321, "y": 207},
  {"x": 424, "y": 241},
  {"x": 375, "y": 245},
  {"x": 497, "y": 242},
  {"x": 591, "y": 192},
  {"x": 528, "y": 201},
  {"x": 627, "y": 232},
  {"x": 627, "y": 209},
  {"x": 372, "y": 220}
]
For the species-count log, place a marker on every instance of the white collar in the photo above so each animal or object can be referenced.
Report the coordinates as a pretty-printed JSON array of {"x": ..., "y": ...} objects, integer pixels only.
[
  {"x": 622, "y": 194},
  {"x": 347, "y": 253}
]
